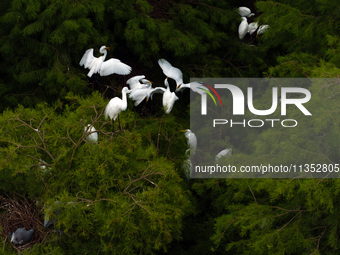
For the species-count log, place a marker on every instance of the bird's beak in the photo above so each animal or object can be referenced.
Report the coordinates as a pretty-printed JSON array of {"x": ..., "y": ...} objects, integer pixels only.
[
  {"x": 178, "y": 86},
  {"x": 183, "y": 130},
  {"x": 107, "y": 48}
]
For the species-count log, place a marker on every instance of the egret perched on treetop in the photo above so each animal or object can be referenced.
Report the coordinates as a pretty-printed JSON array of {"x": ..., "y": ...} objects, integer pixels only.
[
  {"x": 243, "y": 28},
  {"x": 104, "y": 68},
  {"x": 262, "y": 29},
  {"x": 252, "y": 27},
  {"x": 192, "y": 141},
  {"x": 116, "y": 106}
]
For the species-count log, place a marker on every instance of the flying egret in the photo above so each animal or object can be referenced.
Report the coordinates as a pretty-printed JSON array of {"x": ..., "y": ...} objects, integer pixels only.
[
  {"x": 116, "y": 106},
  {"x": 91, "y": 134},
  {"x": 252, "y": 27},
  {"x": 192, "y": 140},
  {"x": 140, "y": 88},
  {"x": 104, "y": 68},
  {"x": 243, "y": 28},
  {"x": 137, "y": 82},
  {"x": 245, "y": 12},
  {"x": 171, "y": 72},
  {"x": 223, "y": 154},
  {"x": 176, "y": 74},
  {"x": 262, "y": 29},
  {"x": 169, "y": 98},
  {"x": 21, "y": 236},
  {"x": 138, "y": 95}
]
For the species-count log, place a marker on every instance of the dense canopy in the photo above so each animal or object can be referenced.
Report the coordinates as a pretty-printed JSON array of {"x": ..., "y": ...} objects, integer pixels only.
[{"x": 127, "y": 192}]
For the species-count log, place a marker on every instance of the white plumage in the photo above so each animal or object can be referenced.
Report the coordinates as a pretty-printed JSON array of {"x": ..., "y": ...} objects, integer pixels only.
[
  {"x": 252, "y": 27},
  {"x": 171, "y": 72},
  {"x": 192, "y": 140},
  {"x": 104, "y": 68},
  {"x": 140, "y": 88},
  {"x": 245, "y": 12},
  {"x": 169, "y": 98},
  {"x": 243, "y": 28},
  {"x": 116, "y": 105},
  {"x": 91, "y": 134},
  {"x": 262, "y": 29},
  {"x": 223, "y": 154}
]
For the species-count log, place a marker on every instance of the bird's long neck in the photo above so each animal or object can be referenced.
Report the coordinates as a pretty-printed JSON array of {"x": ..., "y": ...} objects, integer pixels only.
[
  {"x": 104, "y": 56},
  {"x": 167, "y": 84},
  {"x": 124, "y": 99}
]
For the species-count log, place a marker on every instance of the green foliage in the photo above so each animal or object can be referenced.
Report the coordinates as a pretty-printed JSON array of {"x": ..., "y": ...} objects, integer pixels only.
[
  {"x": 127, "y": 194},
  {"x": 119, "y": 196}
]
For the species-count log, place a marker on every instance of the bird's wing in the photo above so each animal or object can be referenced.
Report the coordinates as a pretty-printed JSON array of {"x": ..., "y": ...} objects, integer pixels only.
[
  {"x": 134, "y": 81},
  {"x": 243, "y": 29},
  {"x": 170, "y": 71},
  {"x": 244, "y": 11},
  {"x": 87, "y": 59},
  {"x": 169, "y": 102},
  {"x": 156, "y": 90},
  {"x": 252, "y": 27},
  {"x": 112, "y": 66},
  {"x": 138, "y": 95},
  {"x": 197, "y": 86}
]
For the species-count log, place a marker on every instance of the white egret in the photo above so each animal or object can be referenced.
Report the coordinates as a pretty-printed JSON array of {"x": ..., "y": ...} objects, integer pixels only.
[
  {"x": 243, "y": 28},
  {"x": 116, "y": 106},
  {"x": 91, "y": 134},
  {"x": 223, "y": 154},
  {"x": 21, "y": 236},
  {"x": 169, "y": 98},
  {"x": 104, "y": 68},
  {"x": 176, "y": 74},
  {"x": 245, "y": 12},
  {"x": 171, "y": 72},
  {"x": 138, "y": 95},
  {"x": 140, "y": 88},
  {"x": 262, "y": 29},
  {"x": 192, "y": 140},
  {"x": 252, "y": 27},
  {"x": 137, "y": 82}
]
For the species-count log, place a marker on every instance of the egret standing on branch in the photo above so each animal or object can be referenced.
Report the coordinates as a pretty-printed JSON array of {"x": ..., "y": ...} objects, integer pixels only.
[
  {"x": 243, "y": 28},
  {"x": 104, "y": 68},
  {"x": 116, "y": 106}
]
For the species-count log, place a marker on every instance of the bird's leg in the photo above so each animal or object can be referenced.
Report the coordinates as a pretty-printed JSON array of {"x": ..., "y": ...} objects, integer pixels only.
[
  {"x": 113, "y": 125},
  {"x": 119, "y": 123}
]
